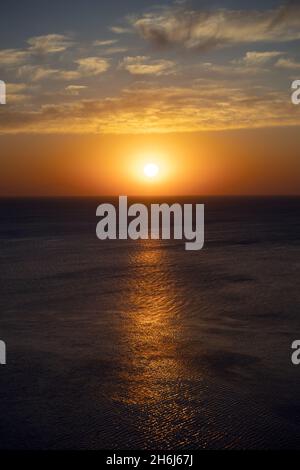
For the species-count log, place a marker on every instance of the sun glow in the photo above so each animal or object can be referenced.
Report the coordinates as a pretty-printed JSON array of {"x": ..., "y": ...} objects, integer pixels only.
[{"x": 151, "y": 170}]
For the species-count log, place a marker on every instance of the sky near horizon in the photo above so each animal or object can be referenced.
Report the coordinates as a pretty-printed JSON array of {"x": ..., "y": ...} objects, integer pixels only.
[{"x": 95, "y": 90}]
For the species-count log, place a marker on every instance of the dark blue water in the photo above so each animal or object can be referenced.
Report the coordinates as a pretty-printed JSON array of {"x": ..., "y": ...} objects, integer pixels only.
[{"x": 124, "y": 344}]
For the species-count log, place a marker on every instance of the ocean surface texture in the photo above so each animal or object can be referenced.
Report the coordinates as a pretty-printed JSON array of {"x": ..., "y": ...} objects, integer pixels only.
[{"x": 143, "y": 345}]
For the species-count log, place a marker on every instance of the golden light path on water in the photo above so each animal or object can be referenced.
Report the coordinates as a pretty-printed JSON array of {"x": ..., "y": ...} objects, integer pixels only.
[{"x": 152, "y": 378}]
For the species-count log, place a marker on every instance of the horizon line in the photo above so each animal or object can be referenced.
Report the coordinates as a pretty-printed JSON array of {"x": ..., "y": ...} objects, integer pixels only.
[{"x": 149, "y": 196}]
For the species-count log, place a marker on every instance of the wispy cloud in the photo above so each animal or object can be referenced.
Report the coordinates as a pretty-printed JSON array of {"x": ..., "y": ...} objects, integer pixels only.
[
  {"x": 75, "y": 90},
  {"x": 110, "y": 46},
  {"x": 254, "y": 58},
  {"x": 105, "y": 42},
  {"x": 12, "y": 57},
  {"x": 286, "y": 63},
  {"x": 36, "y": 73},
  {"x": 49, "y": 44},
  {"x": 205, "y": 29},
  {"x": 143, "y": 65},
  {"x": 218, "y": 92},
  {"x": 17, "y": 92},
  {"x": 92, "y": 66},
  {"x": 144, "y": 108},
  {"x": 115, "y": 50},
  {"x": 120, "y": 30},
  {"x": 88, "y": 66}
]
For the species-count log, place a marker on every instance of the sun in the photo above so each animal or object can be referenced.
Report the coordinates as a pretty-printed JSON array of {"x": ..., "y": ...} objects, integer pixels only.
[{"x": 151, "y": 170}]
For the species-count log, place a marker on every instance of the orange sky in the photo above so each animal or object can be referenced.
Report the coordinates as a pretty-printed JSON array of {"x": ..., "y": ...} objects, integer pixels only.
[
  {"x": 230, "y": 162},
  {"x": 202, "y": 89}
]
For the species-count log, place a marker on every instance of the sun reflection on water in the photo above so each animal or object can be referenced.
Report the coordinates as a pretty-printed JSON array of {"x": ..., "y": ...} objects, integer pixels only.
[{"x": 152, "y": 377}]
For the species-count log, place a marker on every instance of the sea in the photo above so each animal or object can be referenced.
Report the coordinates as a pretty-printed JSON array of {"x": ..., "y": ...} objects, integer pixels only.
[{"x": 123, "y": 344}]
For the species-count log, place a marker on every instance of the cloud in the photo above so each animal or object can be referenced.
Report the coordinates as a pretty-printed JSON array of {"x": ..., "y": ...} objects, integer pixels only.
[
  {"x": 143, "y": 108},
  {"x": 12, "y": 57},
  {"x": 67, "y": 75},
  {"x": 229, "y": 71},
  {"x": 120, "y": 30},
  {"x": 36, "y": 73},
  {"x": 143, "y": 65},
  {"x": 49, "y": 44},
  {"x": 260, "y": 58},
  {"x": 16, "y": 93},
  {"x": 106, "y": 42},
  {"x": 75, "y": 90},
  {"x": 286, "y": 63},
  {"x": 91, "y": 66},
  {"x": 115, "y": 50},
  {"x": 110, "y": 46},
  {"x": 286, "y": 13},
  {"x": 206, "y": 29}
]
